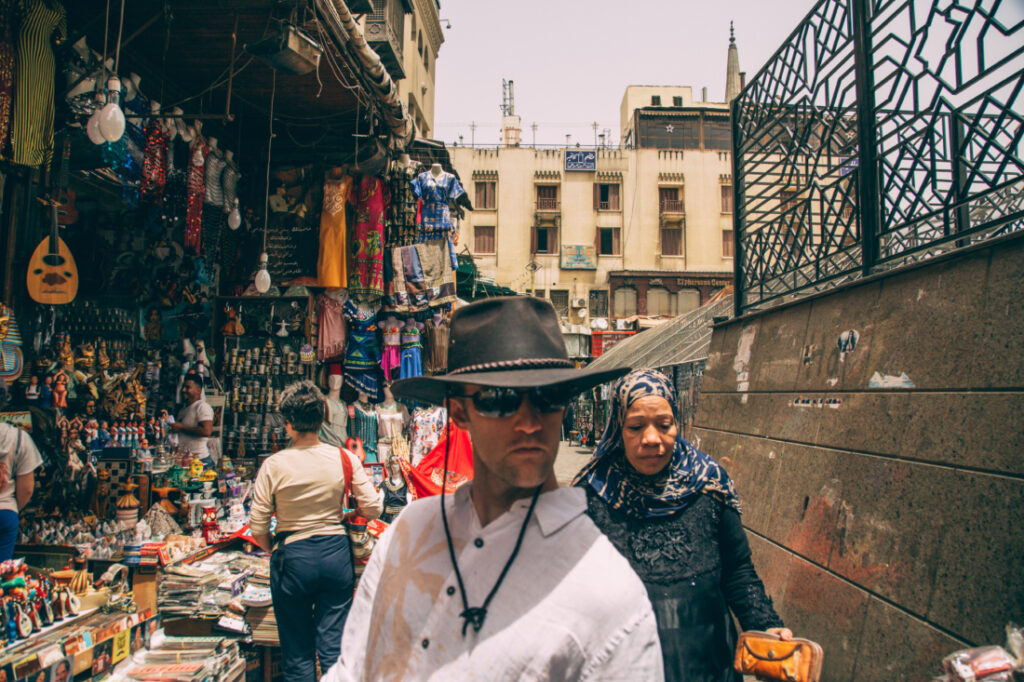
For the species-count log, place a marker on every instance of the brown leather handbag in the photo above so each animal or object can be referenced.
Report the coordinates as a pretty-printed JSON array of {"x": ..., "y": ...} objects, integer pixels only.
[{"x": 766, "y": 656}]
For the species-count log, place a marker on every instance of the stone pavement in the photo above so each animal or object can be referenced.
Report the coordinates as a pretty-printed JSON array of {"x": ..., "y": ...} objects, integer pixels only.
[{"x": 569, "y": 461}]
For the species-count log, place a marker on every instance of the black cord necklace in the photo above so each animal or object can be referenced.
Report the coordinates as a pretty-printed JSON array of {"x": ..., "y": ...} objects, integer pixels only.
[{"x": 475, "y": 615}]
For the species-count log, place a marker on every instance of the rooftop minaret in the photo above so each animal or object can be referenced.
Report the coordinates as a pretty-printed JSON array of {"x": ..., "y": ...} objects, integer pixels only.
[{"x": 733, "y": 84}]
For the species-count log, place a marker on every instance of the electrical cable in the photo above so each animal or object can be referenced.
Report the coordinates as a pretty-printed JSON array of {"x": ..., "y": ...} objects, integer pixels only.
[{"x": 270, "y": 142}]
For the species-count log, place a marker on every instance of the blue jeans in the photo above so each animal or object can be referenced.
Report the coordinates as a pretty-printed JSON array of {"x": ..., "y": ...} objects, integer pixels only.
[
  {"x": 8, "y": 533},
  {"x": 311, "y": 584}
]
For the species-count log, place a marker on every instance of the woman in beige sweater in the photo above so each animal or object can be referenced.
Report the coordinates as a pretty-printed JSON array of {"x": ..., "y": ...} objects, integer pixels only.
[{"x": 311, "y": 573}]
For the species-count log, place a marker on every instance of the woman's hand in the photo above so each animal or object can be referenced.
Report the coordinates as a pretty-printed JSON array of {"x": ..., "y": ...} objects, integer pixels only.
[{"x": 785, "y": 634}]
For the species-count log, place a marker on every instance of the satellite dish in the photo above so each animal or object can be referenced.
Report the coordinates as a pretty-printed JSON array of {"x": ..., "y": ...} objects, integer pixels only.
[
  {"x": 599, "y": 323},
  {"x": 581, "y": 313}
]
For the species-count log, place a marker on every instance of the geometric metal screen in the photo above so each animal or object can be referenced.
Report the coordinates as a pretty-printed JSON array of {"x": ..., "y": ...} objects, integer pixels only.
[{"x": 880, "y": 133}]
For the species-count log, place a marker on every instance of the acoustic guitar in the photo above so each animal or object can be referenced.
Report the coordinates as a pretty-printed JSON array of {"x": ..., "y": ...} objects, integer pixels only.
[{"x": 52, "y": 277}]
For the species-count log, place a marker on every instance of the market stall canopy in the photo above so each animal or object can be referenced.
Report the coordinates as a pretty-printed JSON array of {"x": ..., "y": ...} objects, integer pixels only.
[
  {"x": 184, "y": 50},
  {"x": 681, "y": 340}
]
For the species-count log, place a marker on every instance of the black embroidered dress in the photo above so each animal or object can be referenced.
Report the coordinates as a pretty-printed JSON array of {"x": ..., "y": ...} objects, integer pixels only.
[{"x": 696, "y": 566}]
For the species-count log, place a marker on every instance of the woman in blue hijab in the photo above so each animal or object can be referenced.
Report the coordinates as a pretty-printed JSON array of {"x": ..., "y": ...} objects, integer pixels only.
[{"x": 673, "y": 512}]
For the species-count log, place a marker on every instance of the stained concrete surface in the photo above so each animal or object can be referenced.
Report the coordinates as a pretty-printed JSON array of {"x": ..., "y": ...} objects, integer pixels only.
[{"x": 569, "y": 461}]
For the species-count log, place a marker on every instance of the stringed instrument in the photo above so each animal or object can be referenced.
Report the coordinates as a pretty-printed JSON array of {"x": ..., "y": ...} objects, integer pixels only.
[{"x": 52, "y": 277}]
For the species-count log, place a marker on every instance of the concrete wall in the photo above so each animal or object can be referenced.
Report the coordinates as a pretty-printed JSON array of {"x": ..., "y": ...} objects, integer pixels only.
[{"x": 883, "y": 486}]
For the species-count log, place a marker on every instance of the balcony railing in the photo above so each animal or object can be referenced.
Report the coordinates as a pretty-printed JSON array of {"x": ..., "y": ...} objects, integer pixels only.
[
  {"x": 547, "y": 204},
  {"x": 671, "y": 206}
]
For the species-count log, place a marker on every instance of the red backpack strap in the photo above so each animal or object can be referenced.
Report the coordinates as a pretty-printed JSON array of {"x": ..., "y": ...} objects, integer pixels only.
[{"x": 346, "y": 467}]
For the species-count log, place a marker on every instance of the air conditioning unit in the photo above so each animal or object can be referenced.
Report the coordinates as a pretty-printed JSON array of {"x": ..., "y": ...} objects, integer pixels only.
[
  {"x": 579, "y": 303},
  {"x": 623, "y": 325}
]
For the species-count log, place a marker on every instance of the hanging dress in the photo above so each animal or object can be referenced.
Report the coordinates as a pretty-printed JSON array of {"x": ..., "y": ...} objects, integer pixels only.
[
  {"x": 334, "y": 430},
  {"x": 362, "y": 352},
  {"x": 391, "y": 358},
  {"x": 331, "y": 333},
  {"x": 412, "y": 362},
  {"x": 435, "y": 346},
  {"x": 366, "y": 268},
  {"x": 32, "y": 135},
  {"x": 425, "y": 431},
  {"x": 330, "y": 265},
  {"x": 436, "y": 223},
  {"x": 213, "y": 205},
  {"x": 196, "y": 183},
  {"x": 154, "y": 167},
  {"x": 362, "y": 424},
  {"x": 396, "y": 497},
  {"x": 402, "y": 207},
  {"x": 390, "y": 424},
  {"x": 7, "y": 52}
]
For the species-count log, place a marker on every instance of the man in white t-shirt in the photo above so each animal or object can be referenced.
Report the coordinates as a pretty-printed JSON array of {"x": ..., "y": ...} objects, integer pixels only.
[
  {"x": 195, "y": 421},
  {"x": 19, "y": 458}
]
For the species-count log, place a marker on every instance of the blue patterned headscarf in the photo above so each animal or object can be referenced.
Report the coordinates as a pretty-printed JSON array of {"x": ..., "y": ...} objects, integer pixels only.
[{"x": 689, "y": 473}]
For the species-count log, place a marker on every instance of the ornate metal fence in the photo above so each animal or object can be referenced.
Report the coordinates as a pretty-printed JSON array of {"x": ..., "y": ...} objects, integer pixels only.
[{"x": 882, "y": 132}]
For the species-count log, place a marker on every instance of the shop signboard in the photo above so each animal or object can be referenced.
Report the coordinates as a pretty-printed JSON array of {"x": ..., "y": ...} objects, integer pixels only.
[
  {"x": 580, "y": 160},
  {"x": 579, "y": 257}
]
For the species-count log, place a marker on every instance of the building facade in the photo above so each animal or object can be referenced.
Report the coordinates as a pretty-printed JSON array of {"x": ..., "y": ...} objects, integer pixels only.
[{"x": 644, "y": 228}]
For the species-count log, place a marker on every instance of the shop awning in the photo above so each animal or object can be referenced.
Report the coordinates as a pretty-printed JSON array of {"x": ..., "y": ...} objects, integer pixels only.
[
  {"x": 681, "y": 340},
  {"x": 470, "y": 286}
]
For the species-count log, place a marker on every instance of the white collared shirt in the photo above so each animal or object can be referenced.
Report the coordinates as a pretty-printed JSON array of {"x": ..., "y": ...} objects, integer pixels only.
[{"x": 569, "y": 608}]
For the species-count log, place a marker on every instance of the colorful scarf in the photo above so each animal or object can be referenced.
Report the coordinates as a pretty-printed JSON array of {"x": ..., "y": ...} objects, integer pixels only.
[{"x": 689, "y": 473}]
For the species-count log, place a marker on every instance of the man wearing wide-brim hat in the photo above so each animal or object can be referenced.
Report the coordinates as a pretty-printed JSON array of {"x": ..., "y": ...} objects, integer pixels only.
[{"x": 506, "y": 578}]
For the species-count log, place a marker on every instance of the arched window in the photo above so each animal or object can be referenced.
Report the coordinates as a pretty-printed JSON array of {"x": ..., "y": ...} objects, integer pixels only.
[
  {"x": 659, "y": 302},
  {"x": 624, "y": 304},
  {"x": 689, "y": 299}
]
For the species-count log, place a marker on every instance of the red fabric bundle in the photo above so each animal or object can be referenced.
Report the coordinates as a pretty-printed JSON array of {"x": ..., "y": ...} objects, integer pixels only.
[{"x": 425, "y": 479}]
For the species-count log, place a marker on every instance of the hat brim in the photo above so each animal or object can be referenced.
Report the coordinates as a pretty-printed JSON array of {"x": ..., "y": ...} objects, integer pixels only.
[{"x": 435, "y": 389}]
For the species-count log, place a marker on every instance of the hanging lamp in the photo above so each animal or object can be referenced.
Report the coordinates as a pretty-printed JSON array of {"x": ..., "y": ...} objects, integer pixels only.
[
  {"x": 111, "y": 123},
  {"x": 262, "y": 281}
]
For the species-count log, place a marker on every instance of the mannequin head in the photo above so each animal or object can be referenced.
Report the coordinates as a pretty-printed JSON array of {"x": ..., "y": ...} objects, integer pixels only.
[
  {"x": 229, "y": 154},
  {"x": 334, "y": 383},
  {"x": 363, "y": 398},
  {"x": 404, "y": 160},
  {"x": 212, "y": 141},
  {"x": 154, "y": 107},
  {"x": 436, "y": 170},
  {"x": 388, "y": 395}
]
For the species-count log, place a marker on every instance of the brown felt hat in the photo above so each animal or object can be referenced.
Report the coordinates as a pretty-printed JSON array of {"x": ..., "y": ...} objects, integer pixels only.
[{"x": 508, "y": 341}]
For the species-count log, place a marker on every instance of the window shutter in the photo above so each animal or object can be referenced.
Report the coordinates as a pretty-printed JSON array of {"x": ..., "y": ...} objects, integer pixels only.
[
  {"x": 615, "y": 242},
  {"x": 613, "y": 197},
  {"x": 533, "y": 239},
  {"x": 597, "y": 196},
  {"x": 481, "y": 195}
]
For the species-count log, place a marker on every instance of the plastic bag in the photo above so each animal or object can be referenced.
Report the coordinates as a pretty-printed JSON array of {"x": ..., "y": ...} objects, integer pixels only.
[{"x": 988, "y": 663}]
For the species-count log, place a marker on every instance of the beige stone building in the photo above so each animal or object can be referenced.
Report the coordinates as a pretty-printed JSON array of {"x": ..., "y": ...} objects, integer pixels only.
[
  {"x": 643, "y": 228},
  {"x": 407, "y": 35}
]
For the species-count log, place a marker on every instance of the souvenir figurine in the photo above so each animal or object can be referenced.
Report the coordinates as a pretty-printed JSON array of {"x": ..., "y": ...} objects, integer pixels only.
[
  {"x": 195, "y": 469},
  {"x": 60, "y": 389},
  {"x": 65, "y": 355},
  {"x": 102, "y": 437},
  {"x": 32, "y": 390},
  {"x": 102, "y": 492},
  {"x": 85, "y": 358},
  {"x": 211, "y": 533},
  {"x": 153, "y": 330},
  {"x": 102, "y": 359},
  {"x": 233, "y": 327}
]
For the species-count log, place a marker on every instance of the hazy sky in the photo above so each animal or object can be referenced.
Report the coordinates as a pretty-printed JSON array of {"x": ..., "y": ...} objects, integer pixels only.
[{"x": 571, "y": 60}]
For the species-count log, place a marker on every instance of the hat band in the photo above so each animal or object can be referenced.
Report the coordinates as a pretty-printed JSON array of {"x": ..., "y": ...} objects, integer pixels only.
[{"x": 522, "y": 363}]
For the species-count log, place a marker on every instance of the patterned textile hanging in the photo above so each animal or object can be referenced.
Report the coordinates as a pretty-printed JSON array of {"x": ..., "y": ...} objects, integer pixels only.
[
  {"x": 366, "y": 270},
  {"x": 154, "y": 165},
  {"x": 7, "y": 22},
  {"x": 196, "y": 193}
]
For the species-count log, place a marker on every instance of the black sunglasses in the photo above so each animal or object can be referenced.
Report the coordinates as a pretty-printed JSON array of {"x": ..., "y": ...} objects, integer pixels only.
[{"x": 495, "y": 402}]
